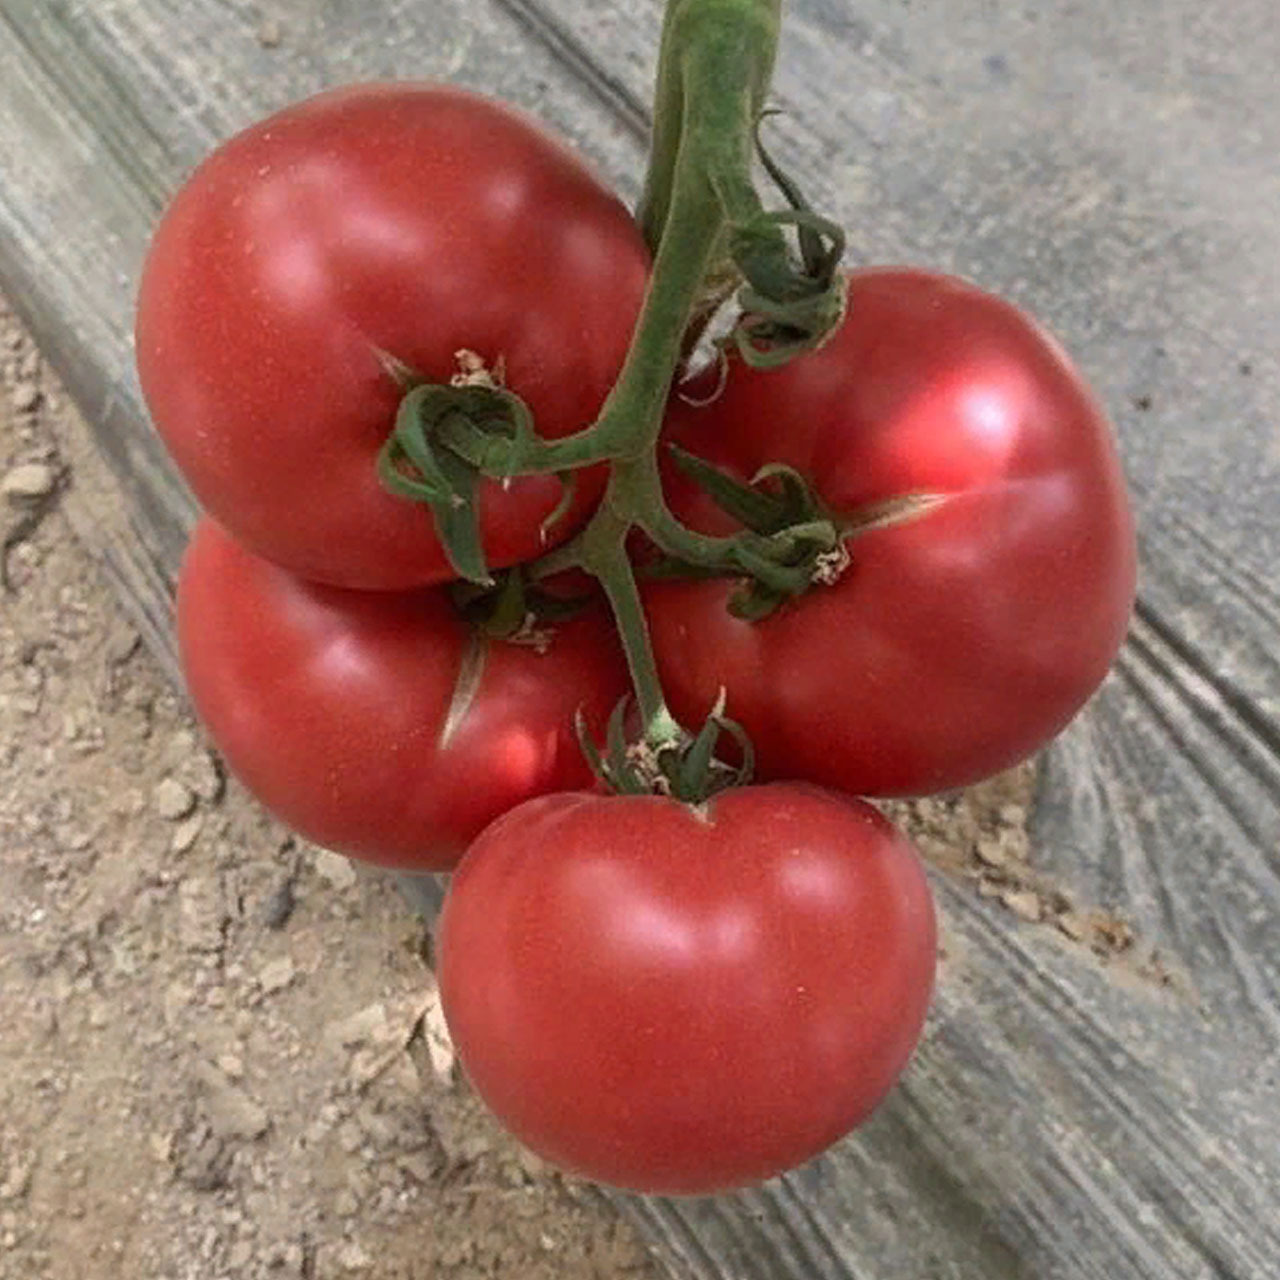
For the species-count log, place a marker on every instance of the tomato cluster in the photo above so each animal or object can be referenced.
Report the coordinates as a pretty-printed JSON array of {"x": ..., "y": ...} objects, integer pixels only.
[{"x": 662, "y": 991}]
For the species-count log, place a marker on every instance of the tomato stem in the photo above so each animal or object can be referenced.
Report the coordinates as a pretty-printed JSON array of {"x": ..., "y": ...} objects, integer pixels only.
[
  {"x": 717, "y": 55},
  {"x": 605, "y": 556},
  {"x": 633, "y": 415},
  {"x": 715, "y": 66},
  {"x": 709, "y": 235}
]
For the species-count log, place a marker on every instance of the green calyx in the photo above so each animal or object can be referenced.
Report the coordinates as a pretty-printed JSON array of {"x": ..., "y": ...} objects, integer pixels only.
[
  {"x": 416, "y": 462},
  {"x": 446, "y": 438},
  {"x": 684, "y": 766},
  {"x": 788, "y": 306},
  {"x": 514, "y": 608},
  {"x": 790, "y": 545}
]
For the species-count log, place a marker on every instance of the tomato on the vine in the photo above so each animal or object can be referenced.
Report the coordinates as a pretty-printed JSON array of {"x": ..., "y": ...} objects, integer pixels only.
[
  {"x": 380, "y": 724},
  {"x": 410, "y": 221},
  {"x": 976, "y": 619},
  {"x": 686, "y": 999}
]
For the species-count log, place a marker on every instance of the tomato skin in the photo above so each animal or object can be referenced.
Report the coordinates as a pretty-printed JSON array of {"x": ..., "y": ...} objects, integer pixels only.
[
  {"x": 330, "y": 705},
  {"x": 413, "y": 219},
  {"x": 956, "y": 643},
  {"x": 681, "y": 1002}
]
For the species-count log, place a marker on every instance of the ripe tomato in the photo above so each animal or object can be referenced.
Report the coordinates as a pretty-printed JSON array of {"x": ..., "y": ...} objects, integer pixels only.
[
  {"x": 415, "y": 220},
  {"x": 678, "y": 1000},
  {"x": 334, "y": 706},
  {"x": 958, "y": 641}
]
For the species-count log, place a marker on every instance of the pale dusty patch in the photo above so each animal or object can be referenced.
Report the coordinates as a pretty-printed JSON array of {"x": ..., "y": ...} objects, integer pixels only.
[{"x": 982, "y": 835}]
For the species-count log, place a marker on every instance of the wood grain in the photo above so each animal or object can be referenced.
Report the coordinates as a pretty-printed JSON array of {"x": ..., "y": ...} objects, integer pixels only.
[{"x": 1110, "y": 167}]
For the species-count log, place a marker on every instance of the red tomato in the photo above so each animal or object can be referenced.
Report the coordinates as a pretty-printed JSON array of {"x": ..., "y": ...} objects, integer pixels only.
[
  {"x": 683, "y": 1000},
  {"x": 958, "y": 641},
  {"x": 333, "y": 706},
  {"x": 412, "y": 219}
]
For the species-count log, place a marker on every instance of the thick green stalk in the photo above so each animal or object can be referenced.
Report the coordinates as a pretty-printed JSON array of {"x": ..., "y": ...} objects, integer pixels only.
[
  {"x": 716, "y": 61},
  {"x": 668, "y": 123},
  {"x": 633, "y": 416},
  {"x": 697, "y": 41},
  {"x": 715, "y": 65},
  {"x": 604, "y": 554}
]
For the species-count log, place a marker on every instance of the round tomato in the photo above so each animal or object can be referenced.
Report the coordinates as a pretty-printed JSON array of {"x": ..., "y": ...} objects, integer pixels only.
[
  {"x": 685, "y": 1000},
  {"x": 972, "y": 624},
  {"x": 414, "y": 221},
  {"x": 377, "y": 723}
]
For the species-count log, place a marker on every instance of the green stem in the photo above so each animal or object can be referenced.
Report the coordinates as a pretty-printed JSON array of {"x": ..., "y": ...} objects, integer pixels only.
[
  {"x": 493, "y": 455},
  {"x": 668, "y": 123},
  {"x": 604, "y": 554},
  {"x": 716, "y": 61},
  {"x": 699, "y": 39},
  {"x": 633, "y": 416},
  {"x": 717, "y": 57},
  {"x": 652, "y": 514}
]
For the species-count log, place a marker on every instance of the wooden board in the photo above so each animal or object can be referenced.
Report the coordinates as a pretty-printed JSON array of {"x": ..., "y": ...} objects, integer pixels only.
[{"x": 1112, "y": 167}]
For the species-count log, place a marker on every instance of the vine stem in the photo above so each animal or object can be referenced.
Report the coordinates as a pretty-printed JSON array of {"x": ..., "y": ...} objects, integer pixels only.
[
  {"x": 635, "y": 409},
  {"x": 717, "y": 57},
  {"x": 707, "y": 231},
  {"x": 698, "y": 42},
  {"x": 607, "y": 559}
]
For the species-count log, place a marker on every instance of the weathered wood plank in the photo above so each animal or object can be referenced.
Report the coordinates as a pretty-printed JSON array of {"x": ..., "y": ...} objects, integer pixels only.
[{"x": 1112, "y": 168}]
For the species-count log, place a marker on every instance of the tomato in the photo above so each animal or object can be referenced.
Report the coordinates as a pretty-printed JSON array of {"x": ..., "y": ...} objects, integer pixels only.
[
  {"x": 334, "y": 706},
  {"x": 683, "y": 1000},
  {"x": 960, "y": 639},
  {"x": 411, "y": 220}
]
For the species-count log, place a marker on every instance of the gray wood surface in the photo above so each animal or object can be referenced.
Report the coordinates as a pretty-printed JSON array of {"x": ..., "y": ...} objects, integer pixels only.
[{"x": 1112, "y": 167}]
